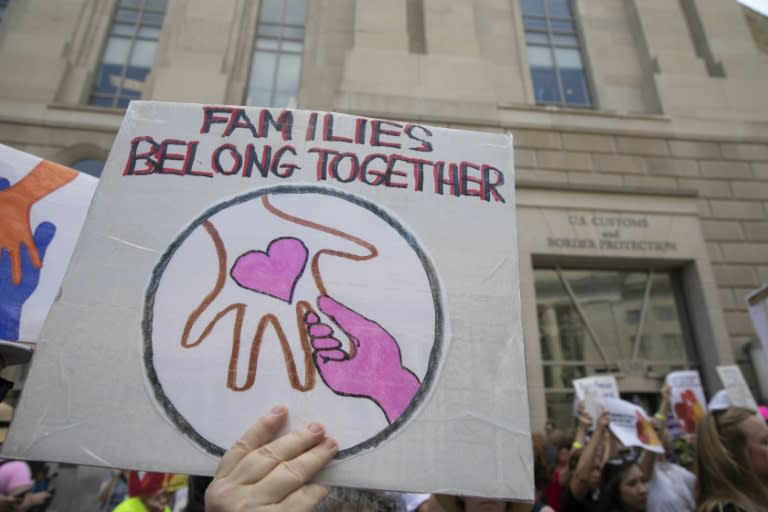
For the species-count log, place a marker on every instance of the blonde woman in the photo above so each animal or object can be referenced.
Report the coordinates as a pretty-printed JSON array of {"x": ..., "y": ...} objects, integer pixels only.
[{"x": 732, "y": 462}]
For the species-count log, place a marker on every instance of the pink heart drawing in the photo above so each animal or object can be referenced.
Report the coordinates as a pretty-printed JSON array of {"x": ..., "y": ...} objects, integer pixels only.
[{"x": 274, "y": 272}]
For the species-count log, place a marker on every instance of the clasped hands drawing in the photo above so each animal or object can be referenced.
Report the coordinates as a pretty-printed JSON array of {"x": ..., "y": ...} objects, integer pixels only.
[
  {"x": 370, "y": 367},
  {"x": 21, "y": 252}
]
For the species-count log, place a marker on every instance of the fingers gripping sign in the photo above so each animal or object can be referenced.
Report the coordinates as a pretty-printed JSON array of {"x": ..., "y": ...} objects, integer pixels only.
[{"x": 258, "y": 473}]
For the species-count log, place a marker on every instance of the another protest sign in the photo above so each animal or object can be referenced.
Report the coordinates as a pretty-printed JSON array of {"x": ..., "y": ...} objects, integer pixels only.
[
  {"x": 736, "y": 387},
  {"x": 688, "y": 402},
  {"x": 757, "y": 301},
  {"x": 42, "y": 209},
  {"x": 363, "y": 272},
  {"x": 592, "y": 390},
  {"x": 631, "y": 425}
]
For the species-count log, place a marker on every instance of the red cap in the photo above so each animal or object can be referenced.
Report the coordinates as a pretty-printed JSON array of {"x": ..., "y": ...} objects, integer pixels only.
[{"x": 142, "y": 484}]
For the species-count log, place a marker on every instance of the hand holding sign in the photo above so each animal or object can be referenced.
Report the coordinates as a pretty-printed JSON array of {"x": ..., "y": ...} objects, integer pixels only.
[
  {"x": 260, "y": 474},
  {"x": 373, "y": 367}
]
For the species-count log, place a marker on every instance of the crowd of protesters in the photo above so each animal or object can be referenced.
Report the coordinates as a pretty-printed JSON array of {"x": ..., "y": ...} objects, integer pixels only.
[{"x": 722, "y": 468}]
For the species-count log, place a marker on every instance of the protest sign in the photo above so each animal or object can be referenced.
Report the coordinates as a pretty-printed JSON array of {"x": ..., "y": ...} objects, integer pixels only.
[
  {"x": 362, "y": 272},
  {"x": 42, "y": 209},
  {"x": 736, "y": 387},
  {"x": 592, "y": 390},
  {"x": 631, "y": 425},
  {"x": 687, "y": 398},
  {"x": 757, "y": 301}
]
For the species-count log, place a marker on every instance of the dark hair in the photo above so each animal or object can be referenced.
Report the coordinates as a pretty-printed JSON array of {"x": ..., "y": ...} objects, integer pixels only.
[
  {"x": 610, "y": 484},
  {"x": 561, "y": 440}
]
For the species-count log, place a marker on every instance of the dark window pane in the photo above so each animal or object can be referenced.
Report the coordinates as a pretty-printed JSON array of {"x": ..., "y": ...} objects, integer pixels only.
[
  {"x": 135, "y": 4},
  {"x": 563, "y": 40},
  {"x": 562, "y": 26},
  {"x": 559, "y": 8},
  {"x": 123, "y": 29},
  {"x": 266, "y": 44},
  {"x": 108, "y": 78},
  {"x": 293, "y": 33},
  {"x": 269, "y": 30},
  {"x": 545, "y": 85},
  {"x": 152, "y": 18},
  {"x": 575, "y": 87},
  {"x": 293, "y": 46},
  {"x": 123, "y": 102},
  {"x": 295, "y": 11},
  {"x": 89, "y": 166},
  {"x": 271, "y": 11},
  {"x": 152, "y": 33},
  {"x": 536, "y": 38},
  {"x": 535, "y": 23},
  {"x": 532, "y": 7},
  {"x": 127, "y": 15}
]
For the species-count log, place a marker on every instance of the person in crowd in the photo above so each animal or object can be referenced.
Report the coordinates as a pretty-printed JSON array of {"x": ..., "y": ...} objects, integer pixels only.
[
  {"x": 148, "y": 492},
  {"x": 16, "y": 483},
  {"x": 563, "y": 444},
  {"x": 670, "y": 486},
  {"x": 732, "y": 461},
  {"x": 585, "y": 466},
  {"x": 113, "y": 490},
  {"x": 623, "y": 487},
  {"x": 541, "y": 474},
  {"x": 43, "y": 481}
]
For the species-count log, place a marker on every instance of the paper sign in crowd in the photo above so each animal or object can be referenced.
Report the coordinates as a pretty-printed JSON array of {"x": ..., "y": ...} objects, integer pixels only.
[
  {"x": 362, "y": 272},
  {"x": 42, "y": 209},
  {"x": 687, "y": 400},
  {"x": 592, "y": 390},
  {"x": 630, "y": 423},
  {"x": 757, "y": 302}
]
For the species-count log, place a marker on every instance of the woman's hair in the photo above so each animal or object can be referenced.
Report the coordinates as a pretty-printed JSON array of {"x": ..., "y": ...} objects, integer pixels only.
[
  {"x": 722, "y": 467},
  {"x": 610, "y": 486},
  {"x": 560, "y": 439}
]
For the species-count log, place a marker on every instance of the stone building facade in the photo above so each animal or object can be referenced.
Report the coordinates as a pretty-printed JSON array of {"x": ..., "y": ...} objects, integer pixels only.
[{"x": 640, "y": 126}]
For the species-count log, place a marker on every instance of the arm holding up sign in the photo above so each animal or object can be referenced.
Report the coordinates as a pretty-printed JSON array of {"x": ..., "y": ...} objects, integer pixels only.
[{"x": 586, "y": 476}]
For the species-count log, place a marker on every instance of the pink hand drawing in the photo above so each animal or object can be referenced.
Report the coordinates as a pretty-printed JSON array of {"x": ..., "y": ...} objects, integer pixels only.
[{"x": 373, "y": 369}]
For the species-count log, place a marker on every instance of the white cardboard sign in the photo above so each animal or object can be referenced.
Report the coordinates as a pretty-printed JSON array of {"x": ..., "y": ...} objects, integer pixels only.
[
  {"x": 631, "y": 425},
  {"x": 688, "y": 402},
  {"x": 42, "y": 209},
  {"x": 736, "y": 387},
  {"x": 593, "y": 390},
  {"x": 362, "y": 272},
  {"x": 757, "y": 301}
]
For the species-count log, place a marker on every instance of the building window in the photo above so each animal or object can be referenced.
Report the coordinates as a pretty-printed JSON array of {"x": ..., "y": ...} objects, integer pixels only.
[
  {"x": 129, "y": 52},
  {"x": 90, "y": 166},
  {"x": 3, "y": 8},
  {"x": 277, "y": 53},
  {"x": 594, "y": 321},
  {"x": 554, "y": 53}
]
